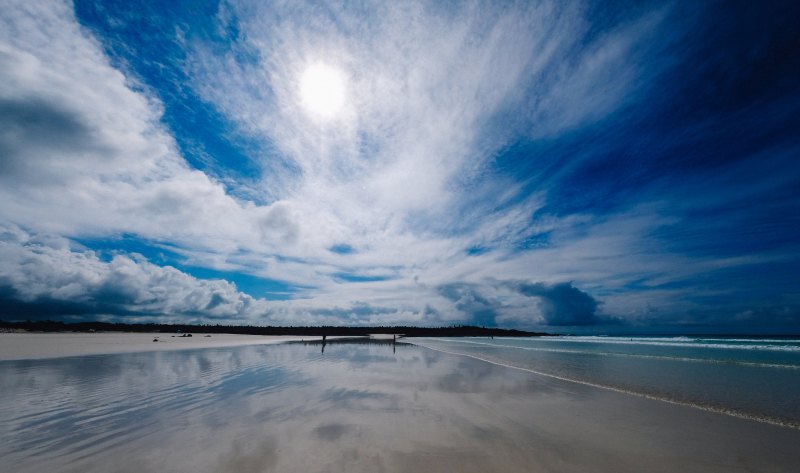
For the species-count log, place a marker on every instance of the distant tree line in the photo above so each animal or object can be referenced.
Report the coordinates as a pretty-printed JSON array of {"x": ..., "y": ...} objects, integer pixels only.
[{"x": 453, "y": 331}]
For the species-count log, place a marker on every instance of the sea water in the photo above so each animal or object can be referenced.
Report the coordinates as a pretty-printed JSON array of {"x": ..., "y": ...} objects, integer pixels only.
[{"x": 748, "y": 377}]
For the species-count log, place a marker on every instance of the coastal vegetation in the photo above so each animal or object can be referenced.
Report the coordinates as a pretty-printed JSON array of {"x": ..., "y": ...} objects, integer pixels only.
[{"x": 452, "y": 331}]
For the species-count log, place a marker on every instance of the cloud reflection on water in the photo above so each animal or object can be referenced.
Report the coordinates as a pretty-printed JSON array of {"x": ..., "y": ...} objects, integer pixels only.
[
  {"x": 357, "y": 407},
  {"x": 224, "y": 408}
]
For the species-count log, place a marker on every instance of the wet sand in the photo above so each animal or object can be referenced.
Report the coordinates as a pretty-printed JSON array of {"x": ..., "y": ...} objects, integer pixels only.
[
  {"x": 357, "y": 407},
  {"x": 31, "y": 346}
]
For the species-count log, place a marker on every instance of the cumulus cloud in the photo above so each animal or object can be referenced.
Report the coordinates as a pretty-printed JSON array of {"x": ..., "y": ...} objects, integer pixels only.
[
  {"x": 562, "y": 303},
  {"x": 44, "y": 275},
  {"x": 47, "y": 276},
  {"x": 468, "y": 300}
]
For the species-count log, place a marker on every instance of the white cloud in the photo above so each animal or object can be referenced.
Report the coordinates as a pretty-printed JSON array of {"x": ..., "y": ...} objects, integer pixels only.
[
  {"x": 45, "y": 270},
  {"x": 400, "y": 174},
  {"x": 86, "y": 154},
  {"x": 429, "y": 96}
]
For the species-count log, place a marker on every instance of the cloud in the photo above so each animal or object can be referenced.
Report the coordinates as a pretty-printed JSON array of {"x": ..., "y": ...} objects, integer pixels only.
[
  {"x": 431, "y": 94},
  {"x": 85, "y": 153},
  {"x": 469, "y": 301},
  {"x": 486, "y": 153},
  {"x": 45, "y": 276},
  {"x": 562, "y": 303},
  {"x": 33, "y": 127}
]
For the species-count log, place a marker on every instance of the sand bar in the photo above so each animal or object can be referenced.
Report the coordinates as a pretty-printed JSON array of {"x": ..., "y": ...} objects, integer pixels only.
[{"x": 31, "y": 346}]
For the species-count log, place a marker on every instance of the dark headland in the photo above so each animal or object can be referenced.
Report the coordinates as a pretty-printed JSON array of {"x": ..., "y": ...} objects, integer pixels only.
[{"x": 454, "y": 331}]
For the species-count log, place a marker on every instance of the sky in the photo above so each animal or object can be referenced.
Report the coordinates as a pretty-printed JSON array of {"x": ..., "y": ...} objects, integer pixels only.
[{"x": 573, "y": 167}]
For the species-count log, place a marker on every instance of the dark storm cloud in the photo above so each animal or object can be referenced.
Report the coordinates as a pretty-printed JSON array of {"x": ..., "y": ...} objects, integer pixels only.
[
  {"x": 471, "y": 302},
  {"x": 561, "y": 303},
  {"x": 28, "y": 126},
  {"x": 37, "y": 122},
  {"x": 42, "y": 308}
]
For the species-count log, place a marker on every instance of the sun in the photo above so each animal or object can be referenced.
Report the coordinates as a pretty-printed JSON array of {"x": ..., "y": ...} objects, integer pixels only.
[{"x": 322, "y": 90}]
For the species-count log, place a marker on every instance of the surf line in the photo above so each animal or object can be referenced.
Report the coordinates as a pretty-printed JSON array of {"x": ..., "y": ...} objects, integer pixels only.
[
  {"x": 717, "y": 410},
  {"x": 633, "y": 355}
]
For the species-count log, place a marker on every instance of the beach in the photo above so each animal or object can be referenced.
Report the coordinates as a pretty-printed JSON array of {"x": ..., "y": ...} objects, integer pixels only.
[
  {"x": 31, "y": 346},
  {"x": 361, "y": 405}
]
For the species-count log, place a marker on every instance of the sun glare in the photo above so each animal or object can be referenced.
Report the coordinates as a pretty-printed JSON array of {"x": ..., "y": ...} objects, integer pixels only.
[{"x": 322, "y": 90}]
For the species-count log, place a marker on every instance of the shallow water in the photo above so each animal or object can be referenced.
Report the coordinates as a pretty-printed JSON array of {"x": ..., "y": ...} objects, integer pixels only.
[
  {"x": 354, "y": 407},
  {"x": 750, "y": 377}
]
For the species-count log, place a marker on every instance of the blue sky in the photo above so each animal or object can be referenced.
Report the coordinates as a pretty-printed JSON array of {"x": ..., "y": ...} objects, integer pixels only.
[{"x": 565, "y": 166}]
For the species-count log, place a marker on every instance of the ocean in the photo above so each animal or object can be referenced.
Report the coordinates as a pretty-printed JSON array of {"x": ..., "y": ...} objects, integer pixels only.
[{"x": 750, "y": 377}]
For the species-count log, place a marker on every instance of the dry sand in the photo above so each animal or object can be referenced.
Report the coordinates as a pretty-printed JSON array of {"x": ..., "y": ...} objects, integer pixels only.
[{"x": 29, "y": 346}]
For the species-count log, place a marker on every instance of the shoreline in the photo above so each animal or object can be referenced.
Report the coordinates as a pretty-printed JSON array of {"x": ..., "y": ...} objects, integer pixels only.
[
  {"x": 359, "y": 409},
  {"x": 15, "y": 346},
  {"x": 777, "y": 422},
  {"x": 20, "y": 346}
]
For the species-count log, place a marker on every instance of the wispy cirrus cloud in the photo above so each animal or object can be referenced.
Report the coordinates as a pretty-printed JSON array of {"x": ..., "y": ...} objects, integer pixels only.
[{"x": 533, "y": 164}]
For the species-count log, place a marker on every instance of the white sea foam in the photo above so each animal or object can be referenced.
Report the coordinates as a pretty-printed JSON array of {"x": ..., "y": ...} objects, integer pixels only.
[
  {"x": 634, "y": 355},
  {"x": 792, "y": 345}
]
